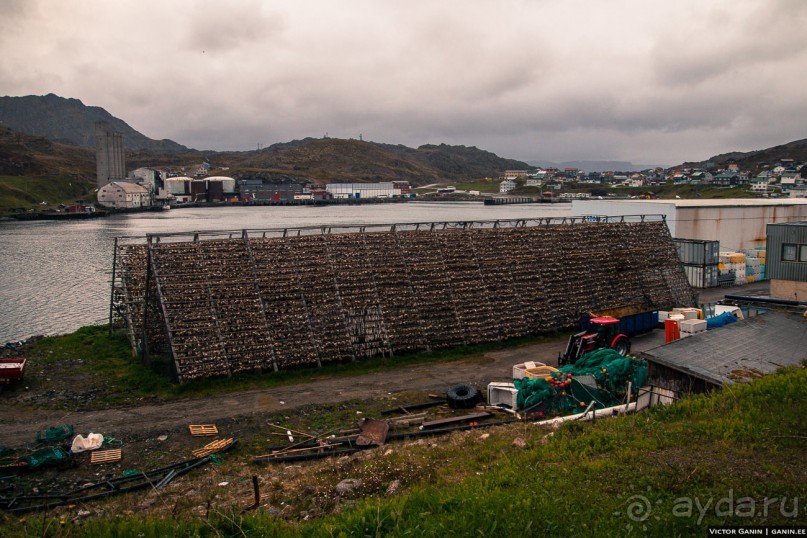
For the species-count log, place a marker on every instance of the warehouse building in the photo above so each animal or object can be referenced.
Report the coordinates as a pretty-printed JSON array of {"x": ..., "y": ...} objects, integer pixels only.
[
  {"x": 736, "y": 223},
  {"x": 124, "y": 195},
  {"x": 389, "y": 189},
  {"x": 258, "y": 191}
]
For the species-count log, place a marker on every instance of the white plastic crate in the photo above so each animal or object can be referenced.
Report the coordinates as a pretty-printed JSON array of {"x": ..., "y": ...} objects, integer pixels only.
[
  {"x": 689, "y": 312},
  {"x": 503, "y": 393},
  {"x": 692, "y": 326}
]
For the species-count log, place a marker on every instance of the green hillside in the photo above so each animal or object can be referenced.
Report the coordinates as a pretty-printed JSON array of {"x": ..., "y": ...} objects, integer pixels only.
[{"x": 734, "y": 457}]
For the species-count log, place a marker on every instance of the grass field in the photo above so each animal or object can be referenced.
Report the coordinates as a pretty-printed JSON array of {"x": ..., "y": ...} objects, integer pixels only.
[
  {"x": 733, "y": 457},
  {"x": 23, "y": 193}
]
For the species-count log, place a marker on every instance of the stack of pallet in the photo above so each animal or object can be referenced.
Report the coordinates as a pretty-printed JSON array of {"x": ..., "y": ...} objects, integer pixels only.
[
  {"x": 732, "y": 262},
  {"x": 755, "y": 264}
]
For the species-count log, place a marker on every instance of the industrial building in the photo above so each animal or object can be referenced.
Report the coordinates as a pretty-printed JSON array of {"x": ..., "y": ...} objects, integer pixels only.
[
  {"x": 787, "y": 261},
  {"x": 266, "y": 300},
  {"x": 109, "y": 159},
  {"x": 736, "y": 223},
  {"x": 259, "y": 191},
  {"x": 389, "y": 189},
  {"x": 124, "y": 195},
  {"x": 212, "y": 189}
]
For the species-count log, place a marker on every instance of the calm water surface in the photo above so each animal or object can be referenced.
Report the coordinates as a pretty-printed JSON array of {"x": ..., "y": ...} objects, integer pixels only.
[{"x": 55, "y": 275}]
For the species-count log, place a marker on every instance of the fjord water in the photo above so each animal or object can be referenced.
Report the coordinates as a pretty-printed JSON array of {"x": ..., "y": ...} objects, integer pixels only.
[{"x": 55, "y": 275}]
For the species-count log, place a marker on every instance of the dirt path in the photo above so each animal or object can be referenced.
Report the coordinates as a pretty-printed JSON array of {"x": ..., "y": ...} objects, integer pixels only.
[{"x": 18, "y": 424}]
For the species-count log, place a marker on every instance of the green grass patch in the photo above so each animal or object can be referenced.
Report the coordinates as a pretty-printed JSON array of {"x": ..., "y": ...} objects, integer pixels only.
[
  {"x": 481, "y": 186},
  {"x": 23, "y": 193},
  {"x": 93, "y": 358},
  {"x": 734, "y": 457}
]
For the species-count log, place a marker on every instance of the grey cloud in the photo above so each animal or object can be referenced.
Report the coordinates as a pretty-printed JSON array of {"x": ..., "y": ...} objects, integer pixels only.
[
  {"x": 732, "y": 43},
  {"x": 214, "y": 27},
  {"x": 521, "y": 78}
]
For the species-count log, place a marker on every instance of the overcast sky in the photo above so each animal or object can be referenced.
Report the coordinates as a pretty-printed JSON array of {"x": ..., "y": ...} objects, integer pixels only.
[{"x": 649, "y": 81}]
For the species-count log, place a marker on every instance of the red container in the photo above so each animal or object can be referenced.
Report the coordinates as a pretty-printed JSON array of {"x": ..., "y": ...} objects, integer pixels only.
[
  {"x": 11, "y": 369},
  {"x": 671, "y": 331}
]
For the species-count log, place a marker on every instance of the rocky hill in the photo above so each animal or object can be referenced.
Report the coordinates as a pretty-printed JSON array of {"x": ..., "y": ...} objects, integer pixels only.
[
  {"x": 336, "y": 160},
  {"x": 757, "y": 160},
  {"x": 71, "y": 121},
  {"x": 25, "y": 155},
  {"x": 319, "y": 160}
]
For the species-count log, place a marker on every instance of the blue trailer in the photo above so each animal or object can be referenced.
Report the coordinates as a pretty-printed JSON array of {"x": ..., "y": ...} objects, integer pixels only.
[{"x": 630, "y": 325}]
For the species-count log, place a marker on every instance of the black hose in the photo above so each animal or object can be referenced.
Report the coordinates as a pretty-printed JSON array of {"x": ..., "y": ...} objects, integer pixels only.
[{"x": 770, "y": 300}]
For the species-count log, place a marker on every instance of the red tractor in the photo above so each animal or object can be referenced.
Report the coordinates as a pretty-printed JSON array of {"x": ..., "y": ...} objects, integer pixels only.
[{"x": 602, "y": 332}]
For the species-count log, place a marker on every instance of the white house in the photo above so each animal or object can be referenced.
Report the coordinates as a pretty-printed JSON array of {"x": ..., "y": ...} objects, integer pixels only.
[
  {"x": 123, "y": 195},
  {"x": 759, "y": 184},
  {"x": 507, "y": 185}
]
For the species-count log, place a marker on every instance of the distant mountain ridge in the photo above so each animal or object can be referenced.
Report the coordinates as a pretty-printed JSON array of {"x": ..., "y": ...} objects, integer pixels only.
[
  {"x": 339, "y": 160},
  {"x": 595, "y": 166},
  {"x": 70, "y": 121}
]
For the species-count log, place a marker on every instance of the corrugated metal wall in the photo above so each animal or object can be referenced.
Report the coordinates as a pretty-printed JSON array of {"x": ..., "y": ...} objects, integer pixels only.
[{"x": 779, "y": 235}]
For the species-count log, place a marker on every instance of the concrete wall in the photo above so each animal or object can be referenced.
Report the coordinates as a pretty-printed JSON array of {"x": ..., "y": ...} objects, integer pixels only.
[
  {"x": 736, "y": 227},
  {"x": 737, "y": 224},
  {"x": 789, "y": 290}
]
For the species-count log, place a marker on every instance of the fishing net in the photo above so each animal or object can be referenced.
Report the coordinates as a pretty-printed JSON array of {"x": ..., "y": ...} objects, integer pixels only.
[
  {"x": 44, "y": 456},
  {"x": 601, "y": 377},
  {"x": 54, "y": 435}
]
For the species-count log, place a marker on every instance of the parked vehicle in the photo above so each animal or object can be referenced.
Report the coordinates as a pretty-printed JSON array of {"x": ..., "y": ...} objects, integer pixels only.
[
  {"x": 601, "y": 332},
  {"x": 629, "y": 324}
]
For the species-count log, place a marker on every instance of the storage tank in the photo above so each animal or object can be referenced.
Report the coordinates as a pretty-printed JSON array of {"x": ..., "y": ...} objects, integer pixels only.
[
  {"x": 177, "y": 185},
  {"x": 227, "y": 183}
]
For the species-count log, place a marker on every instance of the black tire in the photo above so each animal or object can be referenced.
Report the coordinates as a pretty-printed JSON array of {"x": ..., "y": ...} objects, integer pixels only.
[
  {"x": 462, "y": 396},
  {"x": 622, "y": 346}
]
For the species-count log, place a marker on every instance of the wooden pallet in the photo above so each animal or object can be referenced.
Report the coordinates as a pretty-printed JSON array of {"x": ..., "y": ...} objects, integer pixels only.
[
  {"x": 106, "y": 456},
  {"x": 212, "y": 447},
  {"x": 203, "y": 429}
]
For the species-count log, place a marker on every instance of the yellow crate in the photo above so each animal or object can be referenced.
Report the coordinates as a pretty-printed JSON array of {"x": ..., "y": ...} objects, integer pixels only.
[
  {"x": 540, "y": 372},
  {"x": 737, "y": 257}
]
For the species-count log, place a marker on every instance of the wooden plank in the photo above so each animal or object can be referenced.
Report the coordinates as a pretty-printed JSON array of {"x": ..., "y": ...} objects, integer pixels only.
[
  {"x": 452, "y": 420},
  {"x": 203, "y": 429},
  {"x": 212, "y": 447},
  {"x": 106, "y": 456}
]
